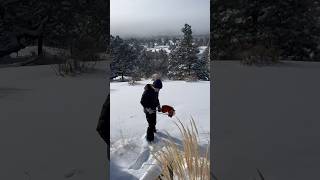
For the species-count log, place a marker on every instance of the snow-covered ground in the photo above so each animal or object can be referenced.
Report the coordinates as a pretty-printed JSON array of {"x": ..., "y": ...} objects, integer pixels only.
[
  {"x": 158, "y": 48},
  {"x": 166, "y": 48},
  {"x": 130, "y": 155},
  {"x": 47, "y": 50},
  {"x": 267, "y": 118},
  {"x": 27, "y": 51},
  {"x": 48, "y": 124},
  {"x": 202, "y": 49}
]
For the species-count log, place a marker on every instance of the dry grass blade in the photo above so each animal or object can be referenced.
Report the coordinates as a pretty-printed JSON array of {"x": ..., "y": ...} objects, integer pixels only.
[
  {"x": 185, "y": 163},
  {"x": 260, "y": 174}
]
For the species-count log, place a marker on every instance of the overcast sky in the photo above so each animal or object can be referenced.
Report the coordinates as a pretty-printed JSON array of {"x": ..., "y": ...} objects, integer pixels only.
[{"x": 158, "y": 17}]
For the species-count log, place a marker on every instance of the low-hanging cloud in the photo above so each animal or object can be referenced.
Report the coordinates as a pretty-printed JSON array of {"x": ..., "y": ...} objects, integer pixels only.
[{"x": 158, "y": 17}]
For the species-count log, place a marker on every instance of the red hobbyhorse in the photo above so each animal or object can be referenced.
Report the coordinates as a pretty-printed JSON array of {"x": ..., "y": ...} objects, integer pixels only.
[{"x": 168, "y": 109}]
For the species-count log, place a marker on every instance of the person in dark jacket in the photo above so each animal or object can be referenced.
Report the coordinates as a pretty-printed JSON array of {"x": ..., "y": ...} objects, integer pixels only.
[
  {"x": 150, "y": 102},
  {"x": 103, "y": 126}
]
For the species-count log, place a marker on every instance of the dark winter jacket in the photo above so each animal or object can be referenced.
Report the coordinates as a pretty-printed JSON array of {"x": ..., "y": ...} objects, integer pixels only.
[
  {"x": 150, "y": 99},
  {"x": 103, "y": 126},
  {"x": 157, "y": 84}
]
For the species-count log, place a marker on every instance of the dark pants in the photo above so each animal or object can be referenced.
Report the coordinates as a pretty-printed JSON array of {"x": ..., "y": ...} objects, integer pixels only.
[{"x": 152, "y": 121}]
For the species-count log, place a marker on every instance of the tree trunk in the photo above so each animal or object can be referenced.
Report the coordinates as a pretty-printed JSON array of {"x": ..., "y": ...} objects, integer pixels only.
[{"x": 40, "y": 45}]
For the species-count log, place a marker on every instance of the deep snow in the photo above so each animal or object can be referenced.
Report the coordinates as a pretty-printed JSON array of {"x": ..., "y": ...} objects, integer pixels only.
[
  {"x": 267, "y": 118},
  {"x": 27, "y": 51},
  {"x": 47, "y": 124},
  {"x": 130, "y": 154}
]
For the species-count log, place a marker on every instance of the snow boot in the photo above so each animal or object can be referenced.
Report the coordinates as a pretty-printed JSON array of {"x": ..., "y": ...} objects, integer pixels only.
[{"x": 150, "y": 135}]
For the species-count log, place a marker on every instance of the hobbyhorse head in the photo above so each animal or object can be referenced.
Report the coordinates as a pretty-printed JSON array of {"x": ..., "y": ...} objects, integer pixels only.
[
  {"x": 168, "y": 109},
  {"x": 171, "y": 113}
]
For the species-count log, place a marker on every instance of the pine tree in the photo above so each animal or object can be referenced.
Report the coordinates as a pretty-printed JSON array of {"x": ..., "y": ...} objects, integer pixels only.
[
  {"x": 289, "y": 25},
  {"x": 183, "y": 58},
  {"x": 53, "y": 23},
  {"x": 123, "y": 58},
  {"x": 145, "y": 63},
  {"x": 21, "y": 23},
  {"x": 289, "y": 29},
  {"x": 161, "y": 62},
  {"x": 202, "y": 67}
]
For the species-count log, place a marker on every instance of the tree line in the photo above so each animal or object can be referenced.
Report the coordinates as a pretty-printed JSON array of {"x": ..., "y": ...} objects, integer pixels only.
[
  {"x": 271, "y": 30},
  {"x": 64, "y": 24},
  {"x": 183, "y": 61}
]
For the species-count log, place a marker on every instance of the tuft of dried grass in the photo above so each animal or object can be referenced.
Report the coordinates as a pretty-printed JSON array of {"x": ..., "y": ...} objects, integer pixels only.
[{"x": 186, "y": 162}]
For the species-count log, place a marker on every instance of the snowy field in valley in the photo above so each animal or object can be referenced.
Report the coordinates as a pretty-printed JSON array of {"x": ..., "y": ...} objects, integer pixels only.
[
  {"x": 166, "y": 48},
  {"x": 130, "y": 156},
  {"x": 158, "y": 48},
  {"x": 48, "y": 124},
  {"x": 266, "y": 118}
]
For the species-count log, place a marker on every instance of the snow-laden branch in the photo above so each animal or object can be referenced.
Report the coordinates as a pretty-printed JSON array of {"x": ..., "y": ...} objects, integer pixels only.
[
  {"x": 12, "y": 41},
  {"x": 21, "y": 32}
]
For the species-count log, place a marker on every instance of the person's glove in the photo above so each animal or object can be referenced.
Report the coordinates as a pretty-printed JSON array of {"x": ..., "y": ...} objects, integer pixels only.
[
  {"x": 149, "y": 110},
  {"x": 159, "y": 109}
]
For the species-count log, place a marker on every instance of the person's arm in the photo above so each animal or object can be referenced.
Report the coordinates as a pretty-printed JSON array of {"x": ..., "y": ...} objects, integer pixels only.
[{"x": 157, "y": 102}]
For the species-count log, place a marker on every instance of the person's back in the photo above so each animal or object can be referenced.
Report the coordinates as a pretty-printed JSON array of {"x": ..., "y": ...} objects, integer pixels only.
[{"x": 149, "y": 98}]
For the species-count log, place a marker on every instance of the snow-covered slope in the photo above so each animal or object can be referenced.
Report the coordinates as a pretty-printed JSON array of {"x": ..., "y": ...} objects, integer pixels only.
[
  {"x": 266, "y": 118},
  {"x": 47, "y": 124},
  {"x": 130, "y": 154}
]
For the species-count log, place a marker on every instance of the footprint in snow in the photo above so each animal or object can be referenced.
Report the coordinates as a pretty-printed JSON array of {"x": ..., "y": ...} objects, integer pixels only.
[
  {"x": 72, "y": 173},
  {"x": 143, "y": 157},
  {"x": 145, "y": 153}
]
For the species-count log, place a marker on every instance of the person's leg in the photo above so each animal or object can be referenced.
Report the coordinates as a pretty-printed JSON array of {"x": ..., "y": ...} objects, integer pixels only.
[
  {"x": 154, "y": 122},
  {"x": 151, "y": 118},
  {"x": 150, "y": 135}
]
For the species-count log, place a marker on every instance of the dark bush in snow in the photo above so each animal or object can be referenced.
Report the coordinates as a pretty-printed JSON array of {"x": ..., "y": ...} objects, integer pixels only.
[{"x": 260, "y": 55}]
